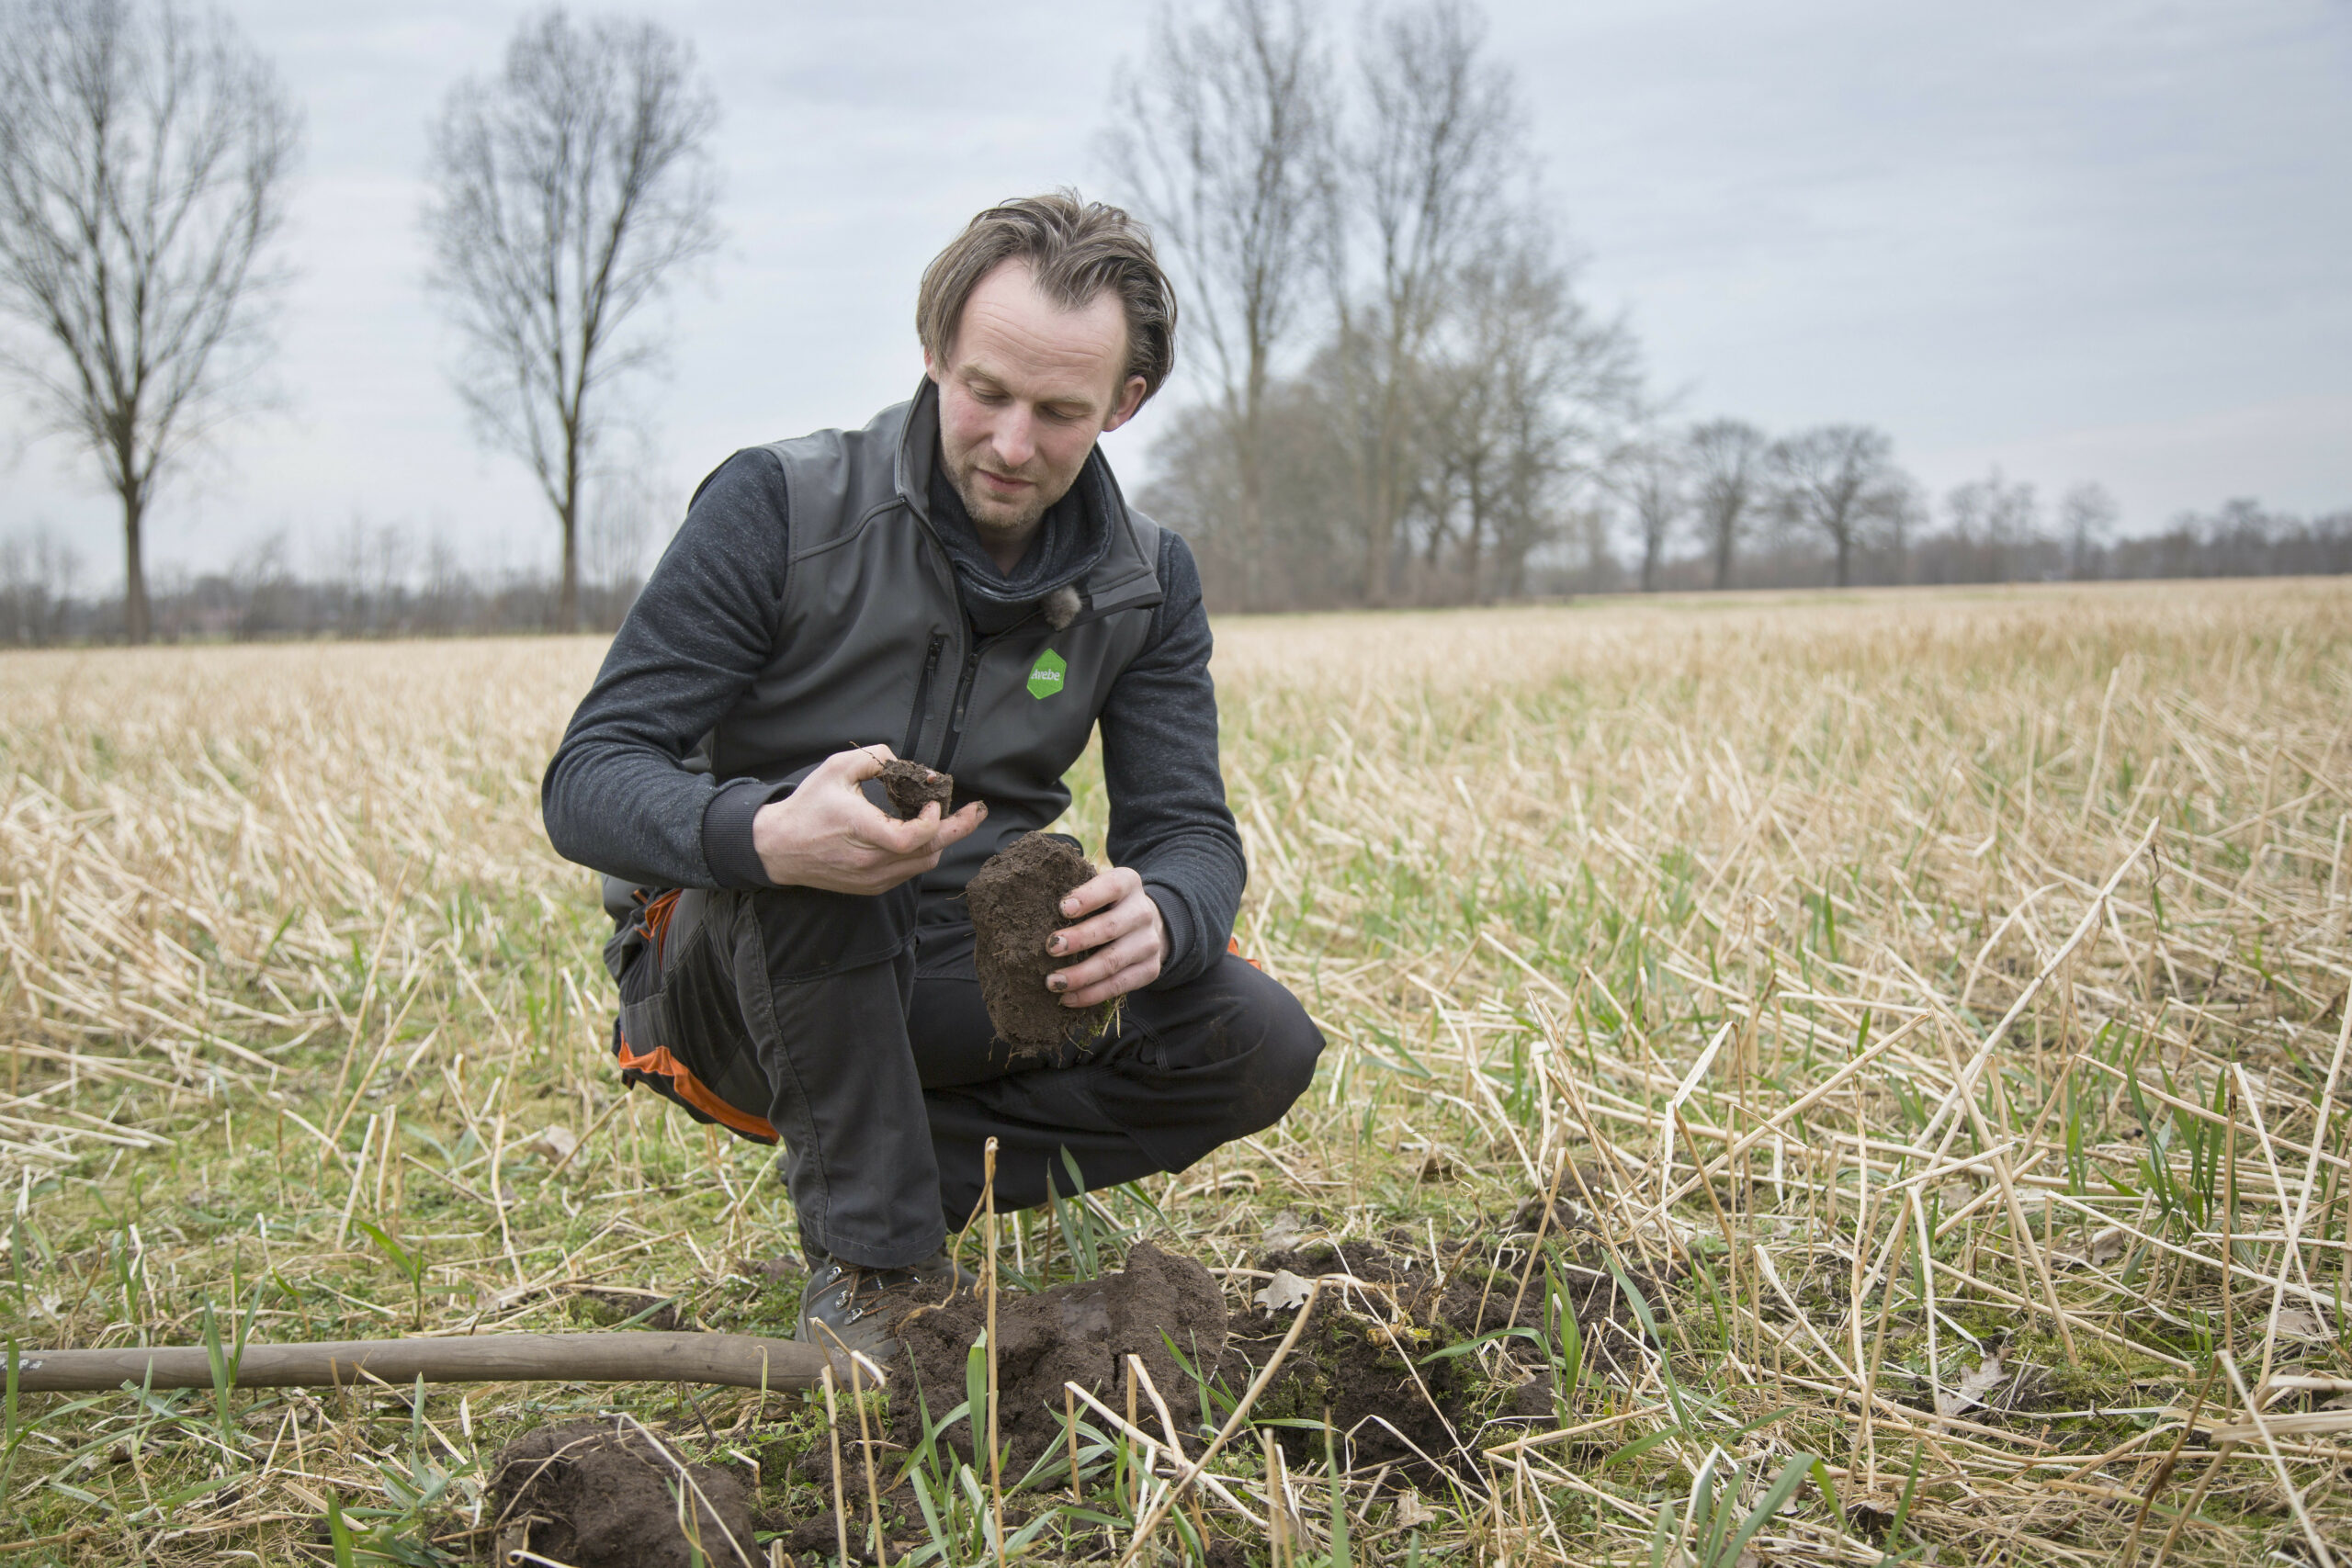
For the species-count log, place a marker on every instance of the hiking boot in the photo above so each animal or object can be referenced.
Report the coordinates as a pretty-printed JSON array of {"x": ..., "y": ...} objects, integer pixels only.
[{"x": 843, "y": 1302}]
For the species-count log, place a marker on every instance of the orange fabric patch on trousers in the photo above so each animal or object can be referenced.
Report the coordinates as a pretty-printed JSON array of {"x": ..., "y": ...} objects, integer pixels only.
[
  {"x": 692, "y": 1090},
  {"x": 676, "y": 1079}
]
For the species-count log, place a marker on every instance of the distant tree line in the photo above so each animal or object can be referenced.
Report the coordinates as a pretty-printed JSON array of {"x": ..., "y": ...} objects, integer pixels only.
[
  {"x": 381, "y": 585},
  {"x": 2241, "y": 539},
  {"x": 378, "y": 582},
  {"x": 231, "y": 606}
]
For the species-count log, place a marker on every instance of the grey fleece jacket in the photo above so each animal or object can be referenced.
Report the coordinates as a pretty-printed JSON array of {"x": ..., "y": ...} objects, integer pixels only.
[{"x": 626, "y": 795}]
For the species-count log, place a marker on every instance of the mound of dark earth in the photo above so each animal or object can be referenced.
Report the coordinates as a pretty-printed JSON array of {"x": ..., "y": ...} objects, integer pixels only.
[
  {"x": 1077, "y": 1333},
  {"x": 911, "y": 786},
  {"x": 599, "y": 1495},
  {"x": 1015, "y": 901}
]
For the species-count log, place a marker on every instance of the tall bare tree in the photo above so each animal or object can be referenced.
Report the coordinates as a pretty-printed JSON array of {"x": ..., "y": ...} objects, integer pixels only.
[
  {"x": 1838, "y": 480},
  {"x": 1995, "y": 519},
  {"x": 2086, "y": 513},
  {"x": 1519, "y": 387},
  {"x": 1220, "y": 142},
  {"x": 1648, "y": 474},
  {"x": 1422, "y": 181},
  {"x": 568, "y": 190},
  {"x": 144, "y": 158},
  {"x": 1727, "y": 473}
]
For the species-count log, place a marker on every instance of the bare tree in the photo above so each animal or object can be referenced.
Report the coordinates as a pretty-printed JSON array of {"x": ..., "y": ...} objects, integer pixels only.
[
  {"x": 144, "y": 156},
  {"x": 1521, "y": 384},
  {"x": 1841, "y": 480},
  {"x": 621, "y": 521},
  {"x": 1993, "y": 519},
  {"x": 1221, "y": 144},
  {"x": 38, "y": 577},
  {"x": 2086, "y": 512},
  {"x": 1727, "y": 472},
  {"x": 568, "y": 191},
  {"x": 1421, "y": 183},
  {"x": 1647, "y": 472},
  {"x": 1902, "y": 527}
]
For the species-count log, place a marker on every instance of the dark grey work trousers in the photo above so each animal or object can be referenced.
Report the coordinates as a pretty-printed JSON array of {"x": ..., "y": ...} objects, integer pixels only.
[{"x": 867, "y": 1050}]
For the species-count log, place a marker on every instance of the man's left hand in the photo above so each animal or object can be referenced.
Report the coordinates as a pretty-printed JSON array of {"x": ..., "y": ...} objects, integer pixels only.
[{"x": 1124, "y": 940}]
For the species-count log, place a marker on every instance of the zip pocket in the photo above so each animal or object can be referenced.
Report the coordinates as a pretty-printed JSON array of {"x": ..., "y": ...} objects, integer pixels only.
[
  {"x": 963, "y": 697},
  {"x": 922, "y": 694}
]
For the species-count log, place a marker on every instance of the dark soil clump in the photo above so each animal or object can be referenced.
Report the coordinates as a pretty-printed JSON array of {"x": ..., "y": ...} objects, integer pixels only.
[
  {"x": 599, "y": 1495},
  {"x": 1015, "y": 901},
  {"x": 912, "y": 786},
  {"x": 1077, "y": 1333}
]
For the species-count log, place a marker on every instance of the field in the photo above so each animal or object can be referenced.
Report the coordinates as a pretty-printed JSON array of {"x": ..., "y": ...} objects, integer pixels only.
[{"x": 1917, "y": 1022}]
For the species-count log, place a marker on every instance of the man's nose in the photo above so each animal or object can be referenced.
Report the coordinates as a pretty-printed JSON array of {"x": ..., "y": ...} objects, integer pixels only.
[{"x": 1017, "y": 440}]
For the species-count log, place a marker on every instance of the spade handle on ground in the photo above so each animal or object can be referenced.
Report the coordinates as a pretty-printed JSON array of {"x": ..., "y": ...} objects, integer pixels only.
[{"x": 734, "y": 1360}]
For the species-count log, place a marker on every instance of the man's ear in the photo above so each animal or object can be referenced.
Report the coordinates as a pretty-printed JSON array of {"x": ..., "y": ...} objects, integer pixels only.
[{"x": 1130, "y": 399}]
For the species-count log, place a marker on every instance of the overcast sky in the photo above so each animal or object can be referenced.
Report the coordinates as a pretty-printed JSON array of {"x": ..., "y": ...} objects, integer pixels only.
[{"x": 2108, "y": 239}]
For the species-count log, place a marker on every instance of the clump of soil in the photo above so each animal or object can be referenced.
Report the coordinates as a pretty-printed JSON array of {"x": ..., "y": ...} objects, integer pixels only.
[
  {"x": 1077, "y": 1333},
  {"x": 912, "y": 786},
  {"x": 1015, "y": 901},
  {"x": 599, "y": 1495}
]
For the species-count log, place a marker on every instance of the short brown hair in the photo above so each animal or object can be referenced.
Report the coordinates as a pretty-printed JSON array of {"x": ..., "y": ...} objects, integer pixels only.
[{"x": 1077, "y": 249}]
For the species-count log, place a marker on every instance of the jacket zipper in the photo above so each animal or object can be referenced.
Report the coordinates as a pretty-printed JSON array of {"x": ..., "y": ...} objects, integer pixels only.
[
  {"x": 922, "y": 694},
  {"x": 963, "y": 699}
]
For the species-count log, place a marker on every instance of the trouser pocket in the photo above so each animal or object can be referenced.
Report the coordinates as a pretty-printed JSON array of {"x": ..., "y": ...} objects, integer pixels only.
[{"x": 680, "y": 1031}]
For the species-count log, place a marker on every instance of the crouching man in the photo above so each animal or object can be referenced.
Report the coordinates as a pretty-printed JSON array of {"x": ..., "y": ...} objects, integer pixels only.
[{"x": 960, "y": 582}]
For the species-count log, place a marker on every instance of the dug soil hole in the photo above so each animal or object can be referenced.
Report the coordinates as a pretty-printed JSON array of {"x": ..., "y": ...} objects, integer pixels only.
[
  {"x": 1365, "y": 1360},
  {"x": 600, "y": 1495},
  {"x": 1079, "y": 1333}
]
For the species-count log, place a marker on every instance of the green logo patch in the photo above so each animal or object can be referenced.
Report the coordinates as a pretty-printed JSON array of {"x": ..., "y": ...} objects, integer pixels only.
[{"x": 1046, "y": 676}]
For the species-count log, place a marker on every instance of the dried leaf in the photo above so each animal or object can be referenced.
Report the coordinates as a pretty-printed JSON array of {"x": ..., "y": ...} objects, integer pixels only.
[
  {"x": 2301, "y": 1323},
  {"x": 1287, "y": 1229},
  {"x": 1410, "y": 1512},
  {"x": 2102, "y": 1249},
  {"x": 553, "y": 1144},
  {"x": 1284, "y": 1292},
  {"x": 1974, "y": 1385}
]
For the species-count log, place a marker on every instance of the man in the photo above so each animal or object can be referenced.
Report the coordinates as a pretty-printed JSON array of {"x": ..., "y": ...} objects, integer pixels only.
[{"x": 960, "y": 582}]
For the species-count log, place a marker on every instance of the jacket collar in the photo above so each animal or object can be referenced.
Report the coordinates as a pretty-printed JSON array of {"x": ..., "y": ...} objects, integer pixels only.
[{"x": 1085, "y": 559}]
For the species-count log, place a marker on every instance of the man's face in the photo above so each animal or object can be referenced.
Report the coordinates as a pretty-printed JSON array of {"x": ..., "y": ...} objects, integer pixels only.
[{"x": 1027, "y": 388}]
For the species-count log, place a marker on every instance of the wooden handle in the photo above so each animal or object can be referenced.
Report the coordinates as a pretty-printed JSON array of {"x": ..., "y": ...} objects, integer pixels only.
[{"x": 735, "y": 1360}]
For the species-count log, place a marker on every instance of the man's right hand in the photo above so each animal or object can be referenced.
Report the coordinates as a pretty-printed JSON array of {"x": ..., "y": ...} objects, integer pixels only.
[{"x": 827, "y": 834}]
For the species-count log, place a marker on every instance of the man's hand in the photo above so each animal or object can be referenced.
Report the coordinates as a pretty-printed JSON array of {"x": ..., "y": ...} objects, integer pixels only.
[
  {"x": 1126, "y": 941},
  {"x": 827, "y": 834}
]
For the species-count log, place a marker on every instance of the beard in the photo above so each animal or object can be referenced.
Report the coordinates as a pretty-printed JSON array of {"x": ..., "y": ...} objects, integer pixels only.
[{"x": 997, "y": 518}]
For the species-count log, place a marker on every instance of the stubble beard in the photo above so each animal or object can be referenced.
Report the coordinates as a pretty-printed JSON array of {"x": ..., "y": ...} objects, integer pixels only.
[{"x": 993, "y": 520}]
